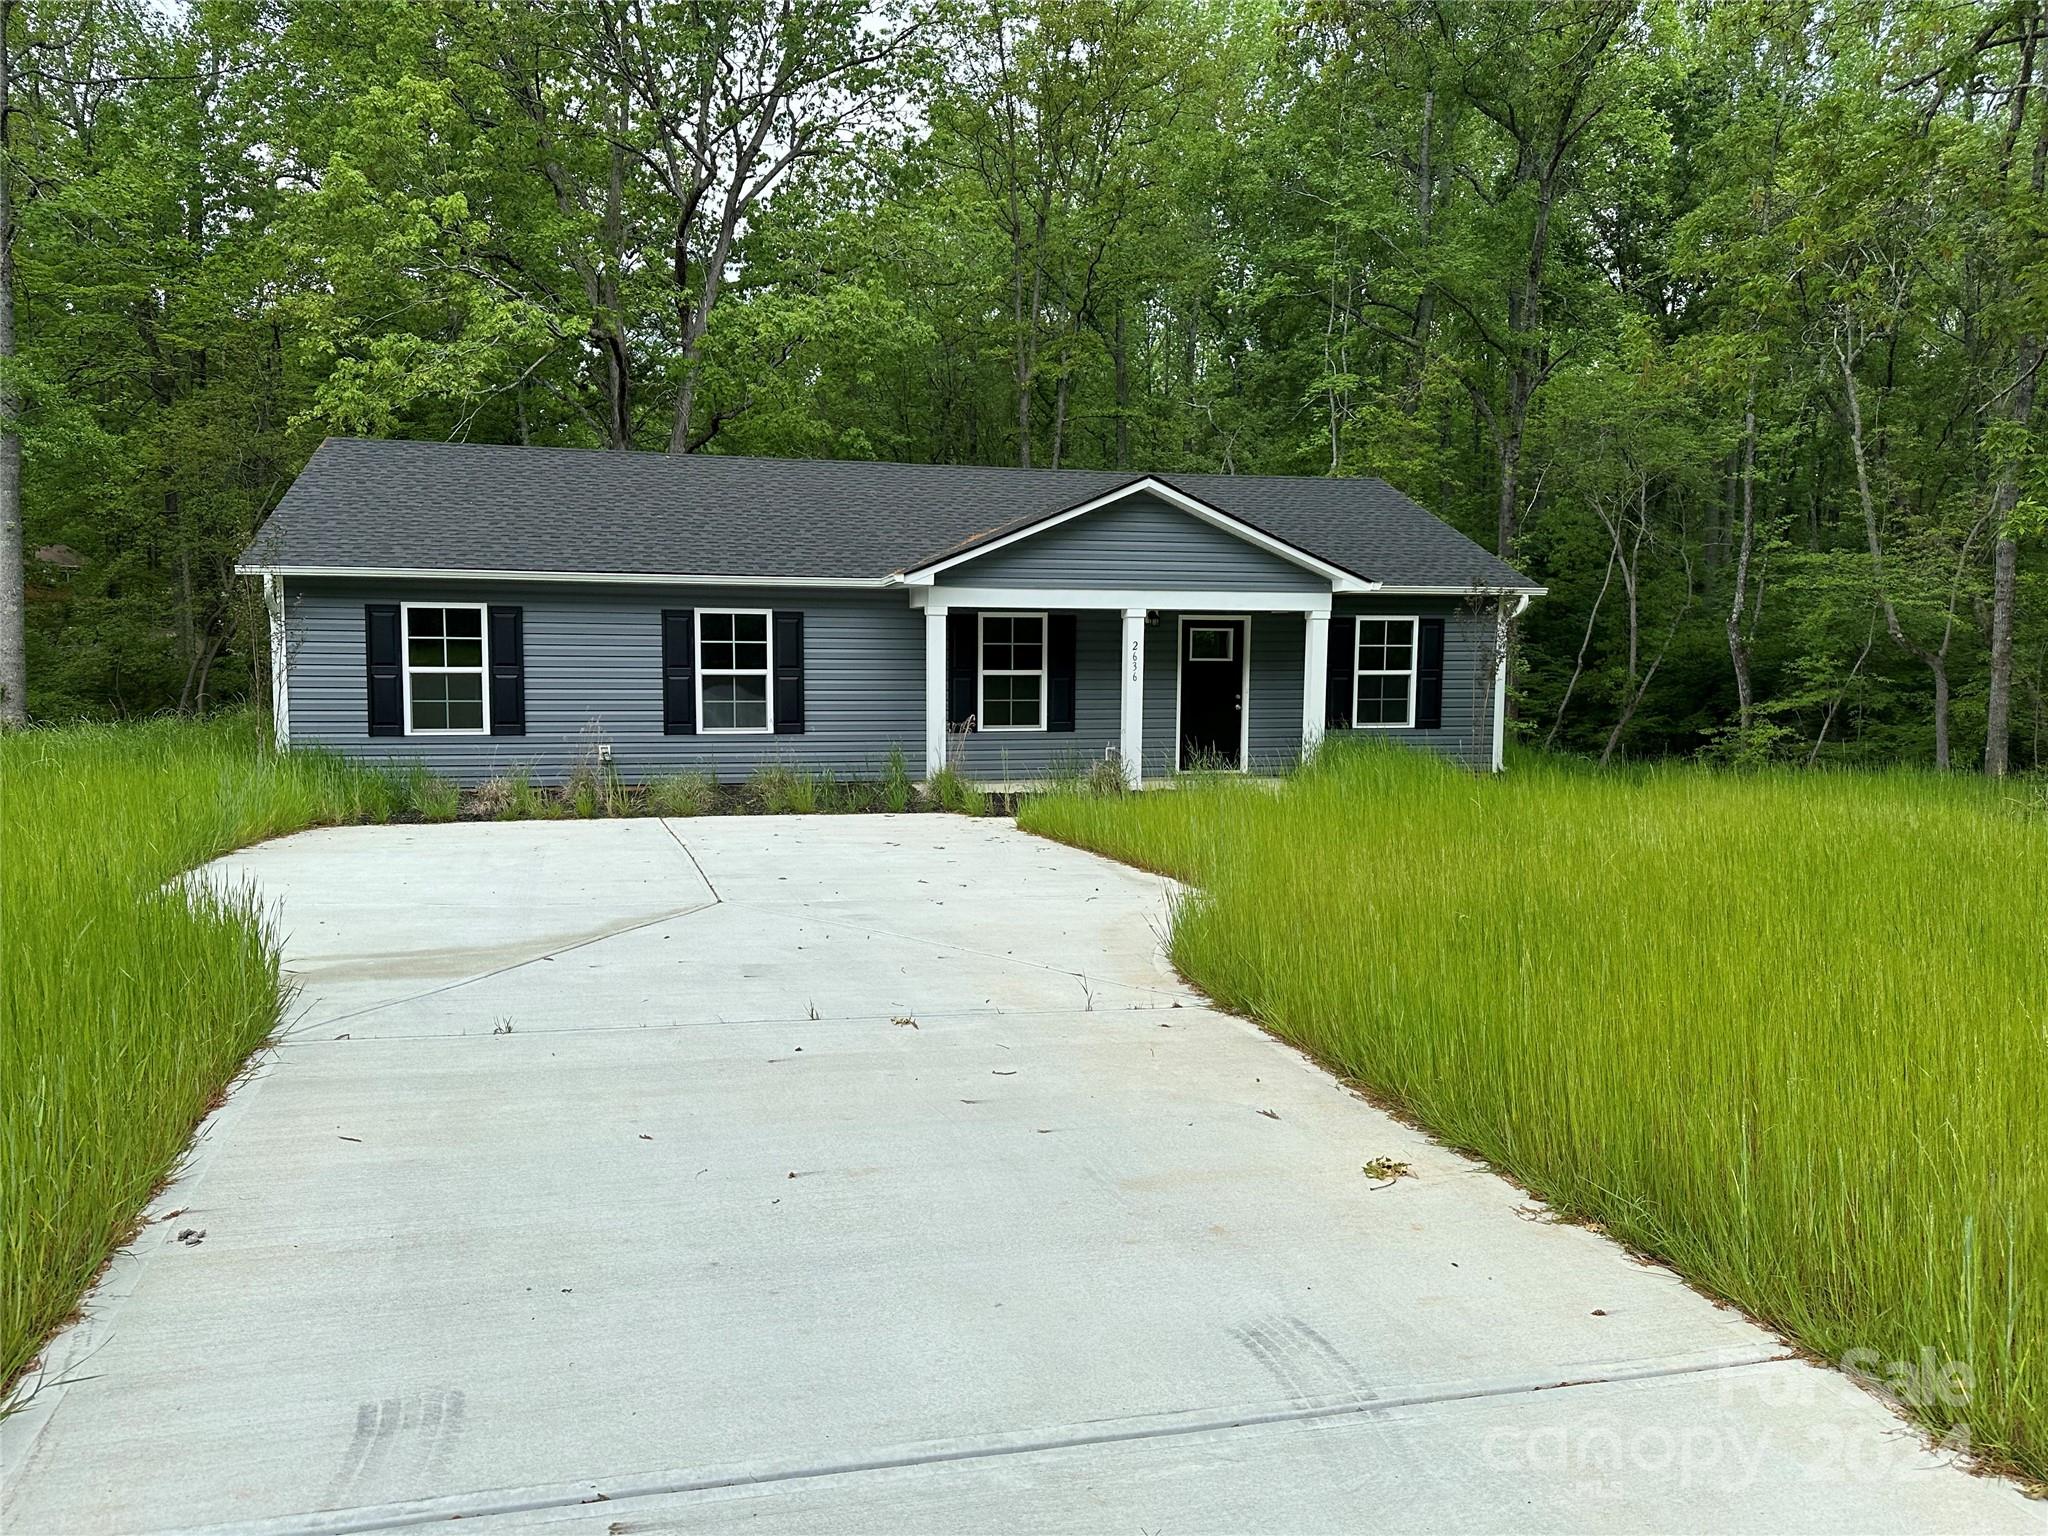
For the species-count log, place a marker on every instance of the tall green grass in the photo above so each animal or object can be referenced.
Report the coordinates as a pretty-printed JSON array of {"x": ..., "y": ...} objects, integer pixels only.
[
  {"x": 1788, "y": 1032},
  {"x": 126, "y": 1004}
]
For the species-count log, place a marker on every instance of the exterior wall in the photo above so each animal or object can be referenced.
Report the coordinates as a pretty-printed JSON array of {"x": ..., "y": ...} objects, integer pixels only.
[
  {"x": 1137, "y": 542},
  {"x": 593, "y": 672},
  {"x": 1467, "y": 732}
]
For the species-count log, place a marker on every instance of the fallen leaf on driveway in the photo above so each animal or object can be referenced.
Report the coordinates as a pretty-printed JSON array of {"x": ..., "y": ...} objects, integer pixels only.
[{"x": 1270, "y": 1114}]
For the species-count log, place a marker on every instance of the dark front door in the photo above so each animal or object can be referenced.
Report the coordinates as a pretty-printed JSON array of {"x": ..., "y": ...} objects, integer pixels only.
[{"x": 1212, "y": 693}]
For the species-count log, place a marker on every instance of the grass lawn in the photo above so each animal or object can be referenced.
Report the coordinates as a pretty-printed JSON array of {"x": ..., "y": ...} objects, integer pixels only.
[
  {"x": 125, "y": 1006},
  {"x": 1787, "y": 1032}
]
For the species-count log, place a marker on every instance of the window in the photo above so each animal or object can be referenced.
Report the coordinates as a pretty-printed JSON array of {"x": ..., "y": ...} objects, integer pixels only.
[
  {"x": 732, "y": 670},
  {"x": 1386, "y": 674},
  {"x": 1012, "y": 672},
  {"x": 1211, "y": 643},
  {"x": 444, "y": 669}
]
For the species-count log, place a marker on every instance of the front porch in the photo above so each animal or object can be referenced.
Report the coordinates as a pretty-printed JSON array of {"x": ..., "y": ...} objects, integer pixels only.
[{"x": 1156, "y": 680}]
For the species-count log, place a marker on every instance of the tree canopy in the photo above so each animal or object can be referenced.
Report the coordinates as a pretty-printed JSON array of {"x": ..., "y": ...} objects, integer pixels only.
[{"x": 1723, "y": 321}]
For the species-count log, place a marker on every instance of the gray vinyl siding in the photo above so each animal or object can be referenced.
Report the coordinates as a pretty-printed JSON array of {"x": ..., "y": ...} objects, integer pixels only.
[
  {"x": 1467, "y": 733},
  {"x": 1004, "y": 756},
  {"x": 593, "y": 673},
  {"x": 1137, "y": 542}
]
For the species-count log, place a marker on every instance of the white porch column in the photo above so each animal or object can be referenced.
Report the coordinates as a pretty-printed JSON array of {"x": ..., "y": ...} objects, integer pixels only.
[
  {"x": 934, "y": 689},
  {"x": 1131, "y": 736},
  {"x": 280, "y": 661},
  {"x": 1315, "y": 679}
]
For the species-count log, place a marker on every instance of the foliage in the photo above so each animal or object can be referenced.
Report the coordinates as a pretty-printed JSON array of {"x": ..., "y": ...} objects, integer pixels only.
[
  {"x": 1781, "y": 1031},
  {"x": 949, "y": 790},
  {"x": 681, "y": 794},
  {"x": 1723, "y": 322},
  {"x": 896, "y": 791}
]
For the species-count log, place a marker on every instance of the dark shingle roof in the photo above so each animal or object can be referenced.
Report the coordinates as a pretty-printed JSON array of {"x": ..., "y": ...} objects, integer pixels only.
[{"x": 374, "y": 505}]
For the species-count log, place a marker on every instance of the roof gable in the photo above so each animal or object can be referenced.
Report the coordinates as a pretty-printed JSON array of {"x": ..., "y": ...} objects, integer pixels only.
[{"x": 1158, "y": 522}]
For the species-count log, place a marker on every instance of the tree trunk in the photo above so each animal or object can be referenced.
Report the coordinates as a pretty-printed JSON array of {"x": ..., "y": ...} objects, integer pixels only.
[
  {"x": 1738, "y": 649},
  {"x": 13, "y": 578},
  {"x": 1425, "y": 301},
  {"x": 1121, "y": 358},
  {"x": 2005, "y": 553},
  {"x": 1585, "y": 641},
  {"x": 1852, "y": 401},
  {"x": 2005, "y": 568}
]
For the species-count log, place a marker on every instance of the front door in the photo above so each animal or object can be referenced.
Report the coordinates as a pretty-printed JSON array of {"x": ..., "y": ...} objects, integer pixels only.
[{"x": 1212, "y": 679}]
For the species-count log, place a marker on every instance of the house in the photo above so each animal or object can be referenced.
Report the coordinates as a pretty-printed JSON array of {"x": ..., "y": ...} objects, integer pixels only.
[{"x": 479, "y": 608}]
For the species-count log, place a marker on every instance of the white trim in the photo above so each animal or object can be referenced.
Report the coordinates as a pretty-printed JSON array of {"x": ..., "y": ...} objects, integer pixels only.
[
  {"x": 1340, "y": 579},
  {"x": 280, "y": 662},
  {"x": 1358, "y": 674},
  {"x": 1352, "y": 584},
  {"x": 605, "y": 578},
  {"x": 1219, "y": 627},
  {"x": 981, "y": 671},
  {"x": 1158, "y": 599},
  {"x": 1130, "y": 747},
  {"x": 1391, "y": 590},
  {"x": 767, "y": 617},
  {"x": 1244, "y": 682},
  {"x": 482, "y": 669},
  {"x": 1315, "y": 680}
]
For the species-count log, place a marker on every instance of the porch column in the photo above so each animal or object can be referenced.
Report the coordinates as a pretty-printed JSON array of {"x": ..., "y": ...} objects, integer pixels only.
[
  {"x": 1131, "y": 736},
  {"x": 934, "y": 690},
  {"x": 1315, "y": 679}
]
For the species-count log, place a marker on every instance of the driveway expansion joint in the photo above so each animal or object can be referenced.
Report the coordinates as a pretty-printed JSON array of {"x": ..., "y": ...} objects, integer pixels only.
[{"x": 623, "y": 1491}]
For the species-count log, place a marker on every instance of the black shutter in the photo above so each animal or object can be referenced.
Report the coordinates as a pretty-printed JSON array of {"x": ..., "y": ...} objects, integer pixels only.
[
  {"x": 963, "y": 671},
  {"x": 1343, "y": 676},
  {"x": 508, "y": 671},
  {"x": 789, "y": 674},
  {"x": 381, "y": 661},
  {"x": 1059, "y": 672},
  {"x": 1429, "y": 674},
  {"x": 679, "y": 671}
]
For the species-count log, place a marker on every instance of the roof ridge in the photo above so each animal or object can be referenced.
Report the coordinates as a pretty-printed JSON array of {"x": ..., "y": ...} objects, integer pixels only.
[{"x": 1048, "y": 470}]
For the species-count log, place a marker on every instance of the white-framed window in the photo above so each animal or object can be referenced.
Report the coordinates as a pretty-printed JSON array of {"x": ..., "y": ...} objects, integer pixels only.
[
  {"x": 1212, "y": 642},
  {"x": 733, "y": 669},
  {"x": 1383, "y": 696},
  {"x": 1012, "y": 689},
  {"x": 447, "y": 688}
]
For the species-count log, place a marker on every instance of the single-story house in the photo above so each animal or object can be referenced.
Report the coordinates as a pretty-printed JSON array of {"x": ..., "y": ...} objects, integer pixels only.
[{"x": 480, "y": 609}]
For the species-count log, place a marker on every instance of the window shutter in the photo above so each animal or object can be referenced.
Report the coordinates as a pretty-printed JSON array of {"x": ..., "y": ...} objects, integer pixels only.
[
  {"x": 508, "y": 671},
  {"x": 1059, "y": 672},
  {"x": 679, "y": 671},
  {"x": 1343, "y": 678},
  {"x": 381, "y": 661},
  {"x": 1429, "y": 674},
  {"x": 789, "y": 674},
  {"x": 963, "y": 669}
]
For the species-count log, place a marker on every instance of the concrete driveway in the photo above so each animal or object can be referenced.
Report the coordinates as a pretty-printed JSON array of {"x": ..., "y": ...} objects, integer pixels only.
[{"x": 869, "y": 1174}]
